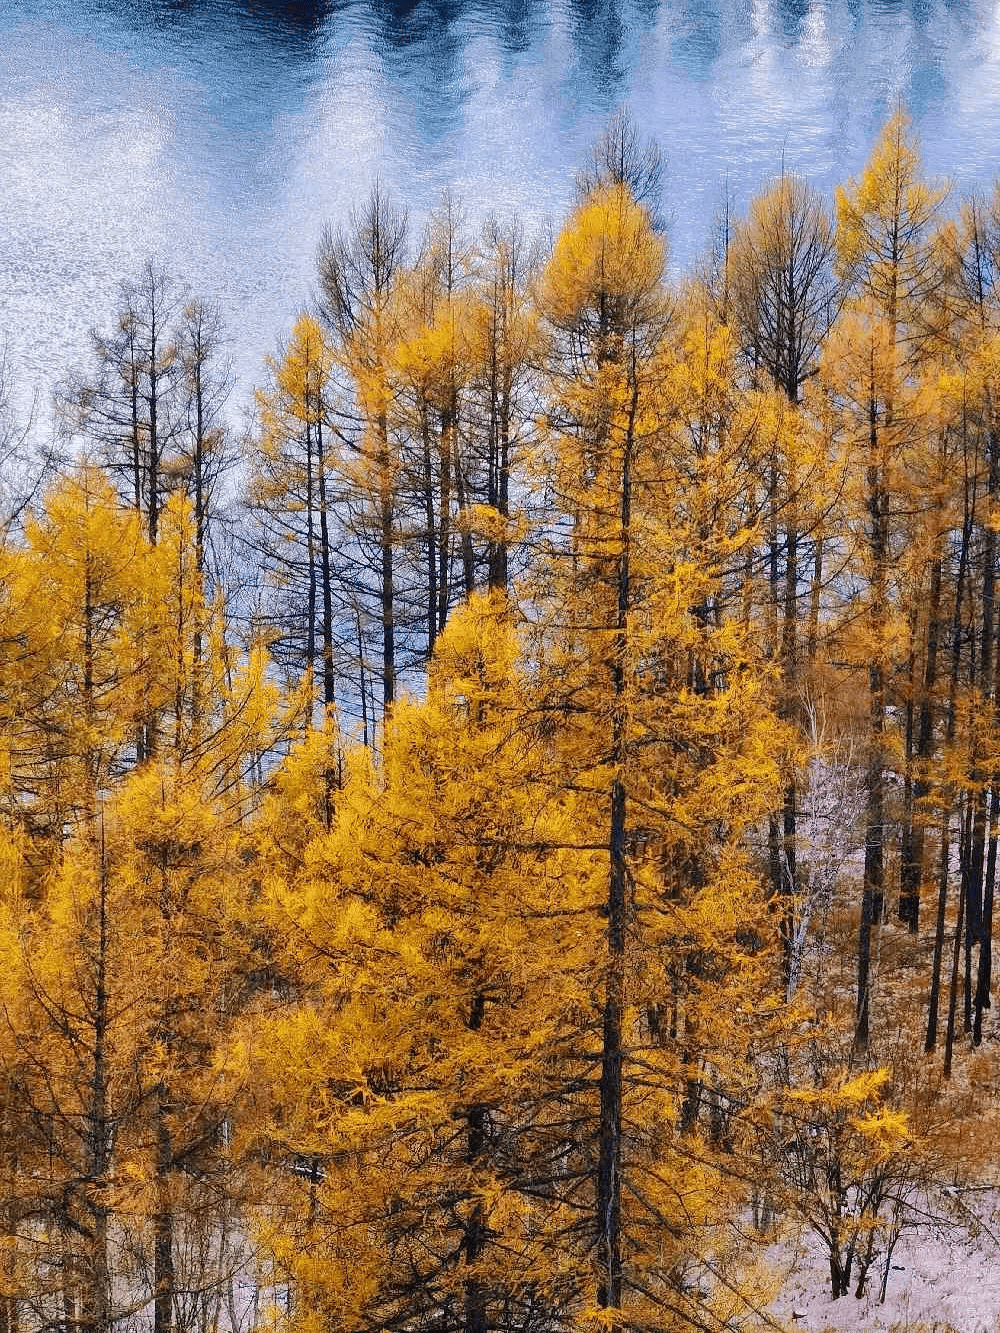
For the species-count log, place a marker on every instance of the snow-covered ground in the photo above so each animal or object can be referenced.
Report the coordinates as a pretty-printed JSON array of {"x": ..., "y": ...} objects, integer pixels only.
[{"x": 942, "y": 1278}]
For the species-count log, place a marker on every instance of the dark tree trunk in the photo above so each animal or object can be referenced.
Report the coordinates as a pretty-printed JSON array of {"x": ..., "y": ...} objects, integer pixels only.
[
  {"x": 430, "y": 522},
  {"x": 499, "y": 493},
  {"x": 95, "y": 1279},
  {"x": 386, "y": 515},
  {"x": 444, "y": 522},
  {"x": 930, "y": 1040},
  {"x": 462, "y": 496},
  {"x": 163, "y": 1223},
  {"x": 476, "y": 1227},
  {"x": 609, "y": 1203},
  {"x": 912, "y": 868},
  {"x": 311, "y": 587},
  {"x": 609, "y": 1168},
  {"x": 934, "y": 999},
  {"x": 325, "y": 570},
  {"x": 949, "y": 1041},
  {"x": 873, "y": 891},
  {"x": 984, "y": 973},
  {"x": 815, "y": 591}
]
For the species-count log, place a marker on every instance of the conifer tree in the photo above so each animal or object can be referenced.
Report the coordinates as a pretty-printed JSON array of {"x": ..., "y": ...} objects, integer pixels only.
[
  {"x": 80, "y": 666},
  {"x": 421, "y": 934},
  {"x": 431, "y": 366},
  {"x": 127, "y": 408},
  {"x": 358, "y": 270},
  {"x": 651, "y": 694},
  {"x": 292, "y": 496},
  {"x": 504, "y": 349},
  {"x": 205, "y": 450},
  {"x": 781, "y": 297},
  {"x": 886, "y": 253}
]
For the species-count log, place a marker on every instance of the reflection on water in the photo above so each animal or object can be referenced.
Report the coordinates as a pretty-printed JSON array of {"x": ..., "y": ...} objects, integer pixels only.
[{"x": 222, "y": 135}]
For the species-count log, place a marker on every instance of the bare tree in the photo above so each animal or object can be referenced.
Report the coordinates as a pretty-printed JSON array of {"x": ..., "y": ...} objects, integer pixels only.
[
  {"x": 358, "y": 269},
  {"x": 782, "y": 289},
  {"x": 621, "y": 158},
  {"x": 128, "y": 404},
  {"x": 21, "y": 473}
]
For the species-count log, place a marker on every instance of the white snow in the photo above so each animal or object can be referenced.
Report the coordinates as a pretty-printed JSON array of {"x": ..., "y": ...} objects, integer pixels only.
[{"x": 942, "y": 1277}]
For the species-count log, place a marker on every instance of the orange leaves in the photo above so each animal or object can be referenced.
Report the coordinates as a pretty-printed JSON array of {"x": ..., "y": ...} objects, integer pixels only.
[
  {"x": 300, "y": 396},
  {"x": 304, "y": 371},
  {"x": 424, "y": 928},
  {"x": 607, "y": 265},
  {"x": 434, "y": 352},
  {"x": 883, "y": 224}
]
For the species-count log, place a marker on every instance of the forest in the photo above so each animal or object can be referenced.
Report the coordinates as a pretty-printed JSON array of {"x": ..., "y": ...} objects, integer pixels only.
[{"x": 493, "y": 843}]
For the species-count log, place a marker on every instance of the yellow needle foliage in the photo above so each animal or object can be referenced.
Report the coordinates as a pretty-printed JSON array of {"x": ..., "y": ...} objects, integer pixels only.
[
  {"x": 436, "y": 1088},
  {"x": 481, "y": 1023},
  {"x": 424, "y": 931}
]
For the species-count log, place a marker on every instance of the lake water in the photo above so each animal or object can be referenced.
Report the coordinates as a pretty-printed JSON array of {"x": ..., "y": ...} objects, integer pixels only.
[{"x": 221, "y": 136}]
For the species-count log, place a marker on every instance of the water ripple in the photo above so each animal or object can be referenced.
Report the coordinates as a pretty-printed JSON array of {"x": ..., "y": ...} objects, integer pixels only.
[{"x": 223, "y": 136}]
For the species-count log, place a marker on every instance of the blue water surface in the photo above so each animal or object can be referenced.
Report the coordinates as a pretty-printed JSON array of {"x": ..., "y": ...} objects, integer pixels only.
[{"x": 220, "y": 137}]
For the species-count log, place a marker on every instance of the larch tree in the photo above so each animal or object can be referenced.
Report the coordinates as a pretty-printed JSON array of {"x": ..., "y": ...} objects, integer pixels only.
[
  {"x": 619, "y": 157},
  {"x": 205, "y": 451},
  {"x": 358, "y": 270},
  {"x": 127, "y": 408},
  {"x": 783, "y": 295},
  {"x": 291, "y": 493},
  {"x": 781, "y": 299},
  {"x": 21, "y": 471},
  {"x": 652, "y": 695},
  {"x": 432, "y": 938},
  {"x": 431, "y": 368},
  {"x": 83, "y": 579},
  {"x": 504, "y": 347},
  {"x": 886, "y": 253}
]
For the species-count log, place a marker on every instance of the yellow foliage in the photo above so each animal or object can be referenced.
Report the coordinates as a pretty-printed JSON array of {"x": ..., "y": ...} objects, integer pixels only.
[
  {"x": 884, "y": 223},
  {"x": 607, "y": 264}
]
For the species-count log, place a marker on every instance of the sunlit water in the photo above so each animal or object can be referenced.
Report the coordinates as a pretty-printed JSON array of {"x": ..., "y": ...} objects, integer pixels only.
[{"x": 220, "y": 137}]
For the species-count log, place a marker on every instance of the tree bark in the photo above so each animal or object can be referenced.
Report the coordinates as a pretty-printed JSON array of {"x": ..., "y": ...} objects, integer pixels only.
[
  {"x": 930, "y": 1040},
  {"x": 609, "y": 1169}
]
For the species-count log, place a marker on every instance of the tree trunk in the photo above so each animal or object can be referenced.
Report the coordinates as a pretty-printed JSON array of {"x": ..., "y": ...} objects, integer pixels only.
[
  {"x": 984, "y": 973},
  {"x": 95, "y": 1311},
  {"x": 430, "y": 522},
  {"x": 311, "y": 586},
  {"x": 789, "y": 709},
  {"x": 949, "y": 1042},
  {"x": 934, "y": 999},
  {"x": 325, "y": 571},
  {"x": 386, "y": 514},
  {"x": 946, "y": 801},
  {"x": 475, "y": 1227},
  {"x": 444, "y": 522},
  {"x": 873, "y": 891},
  {"x": 462, "y": 496},
  {"x": 500, "y": 483},
  {"x": 609, "y": 1291},
  {"x": 912, "y": 867},
  {"x": 609, "y": 1169},
  {"x": 163, "y": 1224}
]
